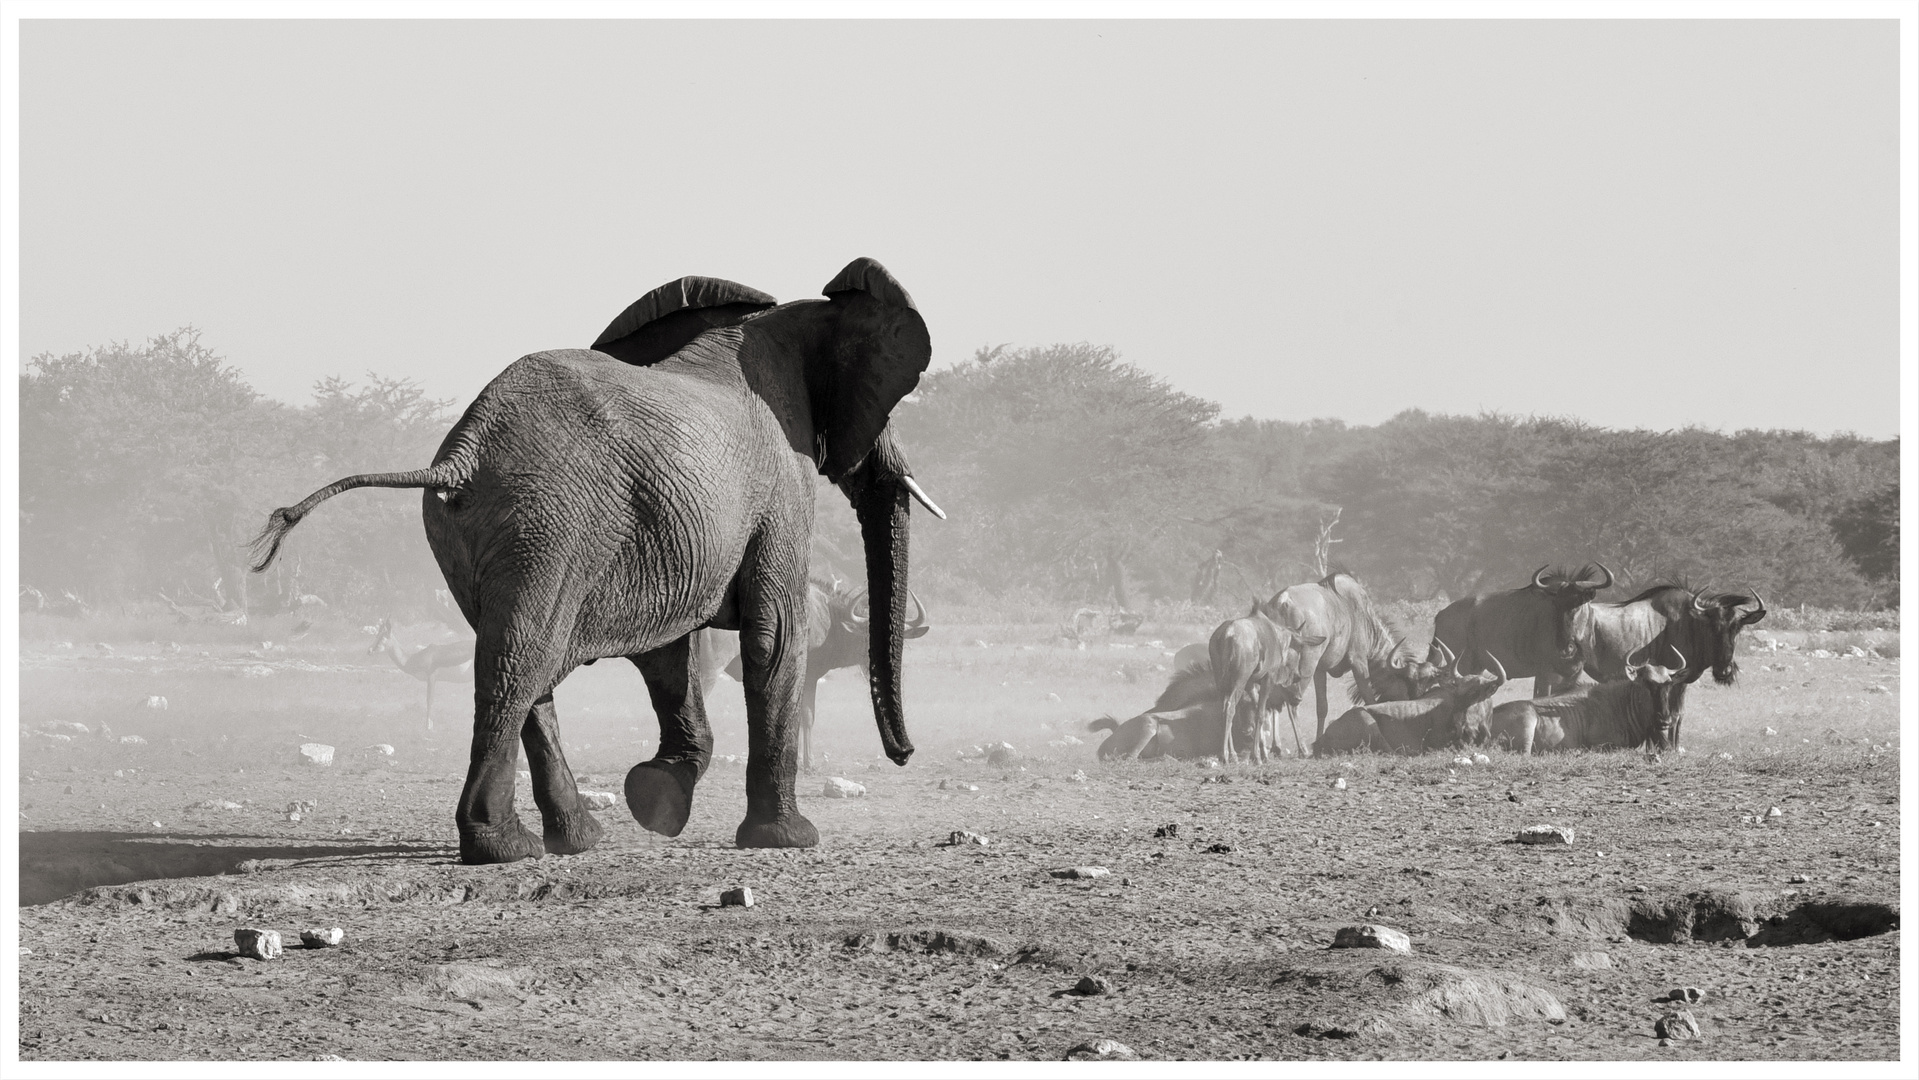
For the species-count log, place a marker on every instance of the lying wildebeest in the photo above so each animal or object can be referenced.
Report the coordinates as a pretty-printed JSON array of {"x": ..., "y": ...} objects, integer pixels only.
[
  {"x": 1529, "y": 629},
  {"x": 1702, "y": 625},
  {"x": 1384, "y": 666},
  {"x": 1606, "y": 716},
  {"x": 837, "y": 619},
  {"x": 1413, "y": 727},
  {"x": 1256, "y": 668},
  {"x": 1183, "y": 723}
]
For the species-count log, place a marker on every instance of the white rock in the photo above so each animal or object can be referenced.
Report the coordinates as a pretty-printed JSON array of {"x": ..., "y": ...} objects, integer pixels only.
[
  {"x": 1770, "y": 731},
  {"x": 259, "y": 944},
  {"x": 318, "y": 938},
  {"x": 132, "y": 740},
  {"x": 1724, "y": 756},
  {"x": 1079, "y": 776},
  {"x": 740, "y": 897},
  {"x": 1101, "y": 1050},
  {"x": 838, "y": 787},
  {"x": 314, "y": 753},
  {"x": 385, "y": 749},
  {"x": 1677, "y": 1025},
  {"x": 1481, "y": 759},
  {"x": 1775, "y": 812},
  {"x": 1463, "y": 761},
  {"x": 1372, "y": 936},
  {"x": 1545, "y": 834},
  {"x": 599, "y": 800},
  {"x": 1083, "y": 872},
  {"x": 1339, "y": 784},
  {"x": 961, "y": 837},
  {"x": 155, "y": 701},
  {"x": 216, "y": 804}
]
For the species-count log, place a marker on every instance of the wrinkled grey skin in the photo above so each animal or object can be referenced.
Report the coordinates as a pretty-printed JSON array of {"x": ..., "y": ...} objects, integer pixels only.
[
  {"x": 594, "y": 504},
  {"x": 1530, "y": 630}
]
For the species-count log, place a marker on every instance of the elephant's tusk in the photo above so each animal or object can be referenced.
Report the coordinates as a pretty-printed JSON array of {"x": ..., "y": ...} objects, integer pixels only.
[{"x": 914, "y": 487}]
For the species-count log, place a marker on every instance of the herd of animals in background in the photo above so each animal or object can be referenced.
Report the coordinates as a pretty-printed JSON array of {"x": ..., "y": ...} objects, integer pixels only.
[{"x": 1407, "y": 702}]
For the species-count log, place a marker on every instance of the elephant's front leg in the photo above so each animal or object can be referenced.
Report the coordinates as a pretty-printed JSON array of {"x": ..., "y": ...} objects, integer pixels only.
[
  {"x": 660, "y": 792},
  {"x": 773, "y": 658},
  {"x": 570, "y": 827}
]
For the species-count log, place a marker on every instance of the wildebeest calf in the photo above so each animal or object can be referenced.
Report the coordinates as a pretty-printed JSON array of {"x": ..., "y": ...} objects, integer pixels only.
[
  {"x": 1412, "y": 727},
  {"x": 1184, "y": 723},
  {"x": 1615, "y": 715}
]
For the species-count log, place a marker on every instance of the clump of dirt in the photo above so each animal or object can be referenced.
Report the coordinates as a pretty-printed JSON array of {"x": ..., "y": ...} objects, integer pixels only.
[
  {"x": 1419, "y": 990},
  {"x": 1707, "y": 915},
  {"x": 927, "y": 941}
]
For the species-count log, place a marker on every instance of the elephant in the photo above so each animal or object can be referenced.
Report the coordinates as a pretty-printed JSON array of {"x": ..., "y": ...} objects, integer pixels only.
[{"x": 613, "y": 501}]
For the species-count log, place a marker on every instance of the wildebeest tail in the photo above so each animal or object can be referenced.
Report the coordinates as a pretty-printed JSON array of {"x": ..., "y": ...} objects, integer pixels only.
[{"x": 449, "y": 473}]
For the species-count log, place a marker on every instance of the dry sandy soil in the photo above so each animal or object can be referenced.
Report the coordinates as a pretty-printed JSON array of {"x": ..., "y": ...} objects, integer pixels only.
[{"x": 886, "y": 942}]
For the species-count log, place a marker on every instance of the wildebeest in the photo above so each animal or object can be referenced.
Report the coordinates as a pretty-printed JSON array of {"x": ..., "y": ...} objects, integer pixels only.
[
  {"x": 836, "y": 637},
  {"x": 1413, "y": 727},
  {"x": 1607, "y": 716},
  {"x": 1357, "y": 640},
  {"x": 1256, "y": 666},
  {"x": 1702, "y": 625},
  {"x": 1183, "y": 723},
  {"x": 1529, "y": 629}
]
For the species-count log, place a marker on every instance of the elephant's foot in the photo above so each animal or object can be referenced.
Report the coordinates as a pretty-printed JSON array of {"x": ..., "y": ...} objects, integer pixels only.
[
  {"x": 792, "y": 830},
  {"x": 504, "y": 844},
  {"x": 570, "y": 834},
  {"x": 660, "y": 794}
]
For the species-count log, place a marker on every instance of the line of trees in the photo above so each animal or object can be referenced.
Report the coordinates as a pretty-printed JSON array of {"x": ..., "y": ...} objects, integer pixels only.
[{"x": 1072, "y": 477}]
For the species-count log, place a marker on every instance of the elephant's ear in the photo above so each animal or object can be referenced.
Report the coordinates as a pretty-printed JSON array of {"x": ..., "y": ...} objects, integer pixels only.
[
  {"x": 663, "y": 321},
  {"x": 876, "y": 358}
]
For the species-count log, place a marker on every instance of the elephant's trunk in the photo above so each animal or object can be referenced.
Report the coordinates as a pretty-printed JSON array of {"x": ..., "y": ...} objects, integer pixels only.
[
  {"x": 882, "y": 510},
  {"x": 880, "y": 495}
]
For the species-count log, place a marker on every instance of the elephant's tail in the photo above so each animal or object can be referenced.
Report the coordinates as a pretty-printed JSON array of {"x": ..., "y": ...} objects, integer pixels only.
[{"x": 445, "y": 475}]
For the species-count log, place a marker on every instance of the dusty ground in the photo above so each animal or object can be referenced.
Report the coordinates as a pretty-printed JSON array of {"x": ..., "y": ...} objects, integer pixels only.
[{"x": 1215, "y": 941}]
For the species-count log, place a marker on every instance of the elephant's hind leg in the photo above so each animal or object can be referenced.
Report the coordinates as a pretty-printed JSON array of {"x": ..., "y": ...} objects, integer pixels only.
[
  {"x": 570, "y": 827},
  {"x": 659, "y": 792}
]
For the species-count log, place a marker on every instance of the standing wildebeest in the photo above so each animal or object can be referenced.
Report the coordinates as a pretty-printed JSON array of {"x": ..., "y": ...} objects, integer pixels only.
[
  {"x": 1413, "y": 727},
  {"x": 1356, "y": 639},
  {"x": 1256, "y": 665},
  {"x": 1607, "y": 716},
  {"x": 1704, "y": 626},
  {"x": 1529, "y": 629},
  {"x": 1183, "y": 723},
  {"x": 837, "y": 620},
  {"x": 612, "y": 501}
]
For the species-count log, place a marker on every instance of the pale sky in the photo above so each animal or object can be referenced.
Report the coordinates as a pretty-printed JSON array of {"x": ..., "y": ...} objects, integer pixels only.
[{"x": 1640, "y": 224}]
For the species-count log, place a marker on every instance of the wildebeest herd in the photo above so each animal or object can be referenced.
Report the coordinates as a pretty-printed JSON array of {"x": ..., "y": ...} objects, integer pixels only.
[
  {"x": 640, "y": 497},
  {"x": 1641, "y": 655}
]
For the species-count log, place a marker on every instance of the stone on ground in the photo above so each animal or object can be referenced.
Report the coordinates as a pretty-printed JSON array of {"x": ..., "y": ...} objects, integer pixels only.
[
  {"x": 1101, "y": 1050},
  {"x": 1677, "y": 1025},
  {"x": 599, "y": 800},
  {"x": 1372, "y": 936},
  {"x": 1481, "y": 759},
  {"x": 259, "y": 944},
  {"x": 1082, "y": 872},
  {"x": 1690, "y": 995},
  {"x": 314, "y": 753},
  {"x": 838, "y": 787},
  {"x": 1090, "y": 985},
  {"x": 962, "y": 837},
  {"x": 1001, "y": 753},
  {"x": 1545, "y": 834},
  {"x": 322, "y": 937},
  {"x": 740, "y": 897}
]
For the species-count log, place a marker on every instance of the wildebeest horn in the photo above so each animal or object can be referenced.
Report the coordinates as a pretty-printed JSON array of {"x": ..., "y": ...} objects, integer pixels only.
[
  {"x": 1497, "y": 666},
  {"x": 1598, "y": 588},
  {"x": 1759, "y": 608},
  {"x": 1680, "y": 655},
  {"x": 918, "y": 618},
  {"x": 1538, "y": 582},
  {"x": 1446, "y": 655},
  {"x": 858, "y": 611},
  {"x": 1633, "y": 669},
  {"x": 1699, "y": 604},
  {"x": 913, "y": 486}
]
